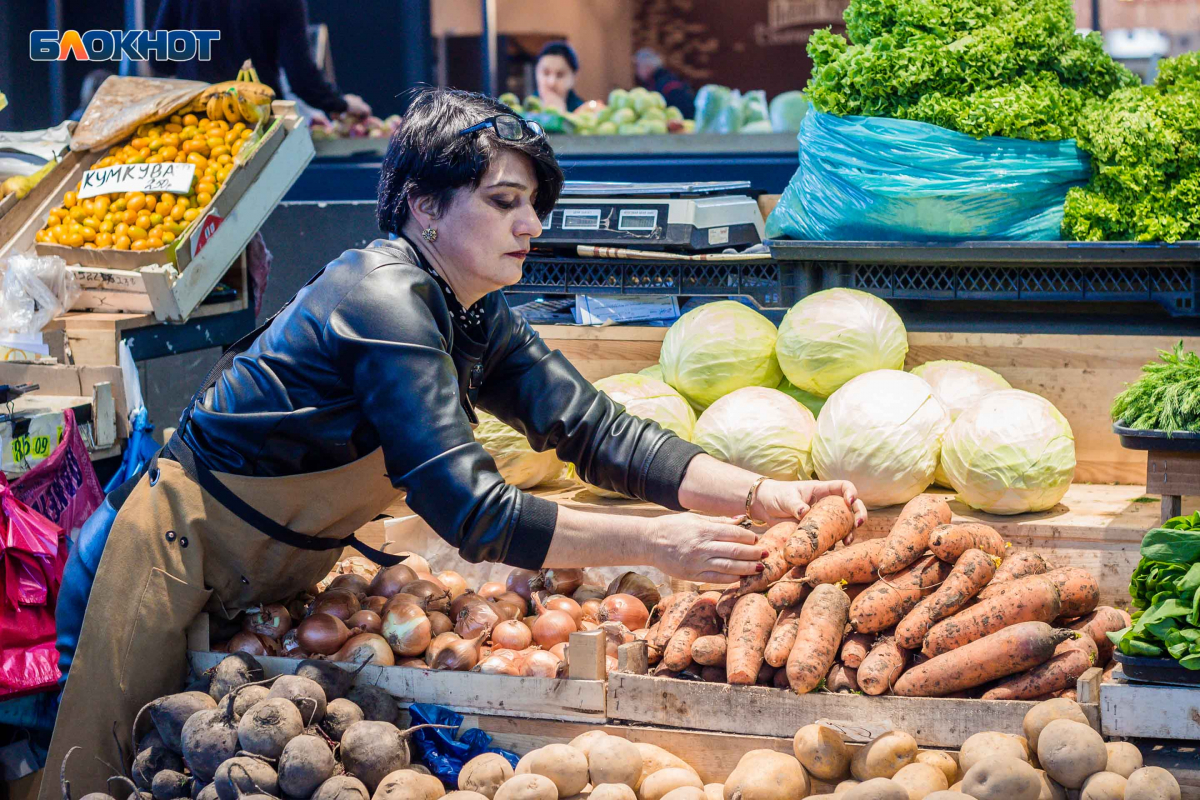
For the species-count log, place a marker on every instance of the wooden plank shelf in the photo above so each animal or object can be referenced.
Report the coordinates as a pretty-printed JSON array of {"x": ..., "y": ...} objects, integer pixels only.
[{"x": 1149, "y": 711}]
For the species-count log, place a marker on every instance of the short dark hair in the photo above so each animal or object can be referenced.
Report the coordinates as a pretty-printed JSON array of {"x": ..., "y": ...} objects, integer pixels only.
[
  {"x": 561, "y": 49},
  {"x": 428, "y": 158}
]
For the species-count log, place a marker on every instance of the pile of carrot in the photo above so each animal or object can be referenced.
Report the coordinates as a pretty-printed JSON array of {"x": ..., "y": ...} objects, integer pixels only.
[{"x": 933, "y": 609}]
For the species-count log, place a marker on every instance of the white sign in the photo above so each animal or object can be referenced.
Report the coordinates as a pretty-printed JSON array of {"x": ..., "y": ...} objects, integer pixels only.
[
  {"x": 581, "y": 219},
  {"x": 637, "y": 220},
  {"x": 591, "y": 310},
  {"x": 168, "y": 177}
]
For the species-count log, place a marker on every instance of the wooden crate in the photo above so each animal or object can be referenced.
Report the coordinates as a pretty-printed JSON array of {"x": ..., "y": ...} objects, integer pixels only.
[
  {"x": 1079, "y": 374},
  {"x": 94, "y": 337},
  {"x": 1148, "y": 711},
  {"x": 102, "y": 385},
  {"x": 130, "y": 292}
]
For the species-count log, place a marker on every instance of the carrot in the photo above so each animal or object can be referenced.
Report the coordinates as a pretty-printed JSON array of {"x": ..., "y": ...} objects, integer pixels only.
[
  {"x": 855, "y": 648},
  {"x": 910, "y": 535},
  {"x": 841, "y": 678},
  {"x": 766, "y": 675},
  {"x": 972, "y": 572},
  {"x": 857, "y": 563},
  {"x": 725, "y": 604},
  {"x": 855, "y": 589},
  {"x": 709, "y": 651},
  {"x": 891, "y": 597},
  {"x": 774, "y": 565},
  {"x": 671, "y": 618},
  {"x": 1078, "y": 590},
  {"x": 653, "y": 654},
  {"x": 749, "y": 629},
  {"x": 1032, "y": 599},
  {"x": 826, "y": 523},
  {"x": 1018, "y": 565},
  {"x": 948, "y": 542},
  {"x": 701, "y": 620},
  {"x": 822, "y": 620},
  {"x": 1055, "y": 675},
  {"x": 663, "y": 606},
  {"x": 713, "y": 674},
  {"x": 779, "y": 646},
  {"x": 1006, "y": 652},
  {"x": 882, "y": 667},
  {"x": 788, "y": 590},
  {"x": 1104, "y": 620}
]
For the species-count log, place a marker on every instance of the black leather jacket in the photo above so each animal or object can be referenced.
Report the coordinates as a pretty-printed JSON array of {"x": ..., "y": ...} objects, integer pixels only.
[{"x": 367, "y": 355}]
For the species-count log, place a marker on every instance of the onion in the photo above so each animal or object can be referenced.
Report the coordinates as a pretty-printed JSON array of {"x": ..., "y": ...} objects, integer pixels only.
[
  {"x": 366, "y": 648},
  {"x": 616, "y": 635},
  {"x": 251, "y": 644},
  {"x": 458, "y": 656},
  {"x": 558, "y": 602},
  {"x": 350, "y": 582},
  {"x": 432, "y": 596},
  {"x": 509, "y": 654},
  {"x": 588, "y": 625},
  {"x": 440, "y": 641},
  {"x": 553, "y": 627},
  {"x": 557, "y": 581},
  {"x": 512, "y": 634},
  {"x": 340, "y": 604},
  {"x": 529, "y": 621},
  {"x": 485, "y": 651},
  {"x": 497, "y": 666},
  {"x": 402, "y": 597},
  {"x": 477, "y": 619},
  {"x": 289, "y": 645},
  {"x": 406, "y": 629},
  {"x": 589, "y": 591},
  {"x": 491, "y": 590},
  {"x": 389, "y": 581},
  {"x": 297, "y": 607},
  {"x": 560, "y": 650},
  {"x": 375, "y": 603},
  {"x": 412, "y": 662},
  {"x": 626, "y": 609},
  {"x": 323, "y": 634},
  {"x": 541, "y": 664},
  {"x": 518, "y": 581},
  {"x": 641, "y": 633},
  {"x": 610, "y": 664},
  {"x": 369, "y": 621},
  {"x": 591, "y": 610},
  {"x": 506, "y": 610},
  {"x": 415, "y": 562},
  {"x": 462, "y": 601},
  {"x": 429, "y": 576},
  {"x": 516, "y": 599},
  {"x": 439, "y": 623},
  {"x": 454, "y": 582},
  {"x": 637, "y": 585},
  {"x": 273, "y": 621}
]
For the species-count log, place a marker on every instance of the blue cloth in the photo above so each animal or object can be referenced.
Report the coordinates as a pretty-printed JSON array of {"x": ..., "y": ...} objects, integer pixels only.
[
  {"x": 440, "y": 751},
  {"x": 880, "y": 179}
]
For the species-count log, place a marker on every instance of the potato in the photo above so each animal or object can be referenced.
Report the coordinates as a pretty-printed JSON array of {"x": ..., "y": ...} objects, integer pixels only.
[
  {"x": 1123, "y": 758},
  {"x": 1046, "y": 712},
  {"x": 527, "y": 787},
  {"x": 956, "y": 787},
  {"x": 612, "y": 791},
  {"x": 943, "y": 761},
  {"x": 1151, "y": 783},
  {"x": 408, "y": 784},
  {"x": 1103, "y": 786},
  {"x": 948, "y": 795},
  {"x": 666, "y": 780},
  {"x": 1071, "y": 751},
  {"x": 714, "y": 791},
  {"x": 989, "y": 744},
  {"x": 1002, "y": 778},
  {"x": 1030, "y": 753},
  {"x": 484, "y": 774},
  {"x": 685, "y": 793},
  {"x": 920, "y": 780},
  {"x": 655, "y": 758},
  {"x": 822, "y": 752},
  {"x": 464, "y": 795},
  {"x": 846, "y": 785},
  {"x": 584, "y": 741},
  {"x": 876, "y": 789},
  {"x": 522, "y": 767},
  {"x": 1050, "y": 789},
  {"x": 767, "y": 775},
  {"x": 884, "y": 757},
  {"x": 614, "y": 760},
  {"x": 564, "y": 765}
]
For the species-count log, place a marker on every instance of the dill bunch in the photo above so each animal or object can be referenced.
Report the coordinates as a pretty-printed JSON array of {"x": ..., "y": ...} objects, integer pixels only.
[{"x": 1166, "y": 397}]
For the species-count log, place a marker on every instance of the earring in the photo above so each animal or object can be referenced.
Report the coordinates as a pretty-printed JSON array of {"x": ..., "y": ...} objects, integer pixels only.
[{"x": 429, "y": 235}]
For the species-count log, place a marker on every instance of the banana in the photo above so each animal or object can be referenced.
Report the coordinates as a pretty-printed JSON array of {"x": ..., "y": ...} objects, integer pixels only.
[
  {"x": 247, "y": 84},
  {"x": 229, "y": 105},
  {"x": 253, "y": 114},
  {"x": 213, "y": 107}
]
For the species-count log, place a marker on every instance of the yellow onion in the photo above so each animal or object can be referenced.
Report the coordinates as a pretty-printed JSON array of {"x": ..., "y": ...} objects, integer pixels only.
[
  {"x": 440, "y": 641},
  {"x": 375, "y": 603},
  {"x": 439, "y": 623},
  {"x": 616, "y": 635},
  {"x": 272, "y": 621},
  {"x": 462, "y": 601},
  {"x": 626, "y": 609},
  {"x": 557, "y": 581},
  {"x": 589, "y": 591},
  {"x": 512, "y": 634},
  {"x": 432, "y": 596},
  {"x": 541, "y": 664},
  {"x": 350, "y": 582},
  {"x": 637, "y": 585},
  {"x": 560, "y": 650},
  {"x": 323, "y": 634},
  {"x": 368, "y": 648},
  {"x": 507, "y": 610},
  {"x": 459, "y": 656},
  {"x": 491, "y": 590},
  {"x": 415, "y": 562},
  {"x": 367, "y": 620},
  {"x": 339, "y": 603},
  {"x": 497, "y": 666},
  {"x": 417, "y": 663},
  {"x": 558, "y": 602},
  {"x": 406, "y": 629},
  {"x": 253, "y": 644},
  {"x": 591, "y": 610},
  {"x": 553, "y": 627},
  {"x": 477, "y": 619},
  {"x": 388, "y": 581},
  {"x": 455, "y": 584}
]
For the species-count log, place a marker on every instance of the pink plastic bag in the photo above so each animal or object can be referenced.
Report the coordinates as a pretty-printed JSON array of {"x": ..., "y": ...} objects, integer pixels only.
[{"x": 64, "y": 487}]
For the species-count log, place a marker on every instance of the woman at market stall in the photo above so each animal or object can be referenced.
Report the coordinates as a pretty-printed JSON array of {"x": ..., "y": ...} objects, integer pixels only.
[
  {"x": 364, "y": 388},
  {"x": 555, "y": 71}
]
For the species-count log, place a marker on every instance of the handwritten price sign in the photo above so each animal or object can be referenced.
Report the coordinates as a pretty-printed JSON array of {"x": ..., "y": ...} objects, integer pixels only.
[{"x": 169, "y": 177}]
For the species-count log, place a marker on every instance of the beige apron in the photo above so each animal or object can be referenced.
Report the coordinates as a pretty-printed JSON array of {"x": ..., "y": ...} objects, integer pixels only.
[{"x": 174, "y": 551}]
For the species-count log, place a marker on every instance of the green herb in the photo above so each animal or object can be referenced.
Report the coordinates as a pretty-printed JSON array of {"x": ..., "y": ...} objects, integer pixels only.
[{"x": 1166, "y": 397}]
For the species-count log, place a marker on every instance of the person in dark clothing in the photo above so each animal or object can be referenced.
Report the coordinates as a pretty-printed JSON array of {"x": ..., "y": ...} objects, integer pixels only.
[
  {"x": 555, "y": 70},
  {"x": 272, "y": 33},
  {"x": 654, "y": 76}
]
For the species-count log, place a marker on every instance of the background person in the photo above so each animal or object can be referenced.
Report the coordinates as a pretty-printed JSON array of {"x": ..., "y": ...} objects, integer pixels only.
[
  {"x": 555, "y": 70},
  {"x": 648, "y": 65}
]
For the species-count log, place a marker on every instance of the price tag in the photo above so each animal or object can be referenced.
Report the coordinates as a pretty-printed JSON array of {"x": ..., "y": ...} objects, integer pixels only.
[
  {"x": 169, "y": 177},
  {"x": 33, "y": 448}
]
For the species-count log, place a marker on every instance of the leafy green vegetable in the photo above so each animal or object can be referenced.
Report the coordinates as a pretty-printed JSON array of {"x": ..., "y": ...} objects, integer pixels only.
[
  {"x": 1166, "y": 397},
  {"x": 982, "y": 67}
]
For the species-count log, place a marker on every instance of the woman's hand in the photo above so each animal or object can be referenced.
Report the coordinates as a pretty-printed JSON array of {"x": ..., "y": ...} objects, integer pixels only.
[
  {"x": 704, "y": 549},
  {"x": 778, "y": 500}
]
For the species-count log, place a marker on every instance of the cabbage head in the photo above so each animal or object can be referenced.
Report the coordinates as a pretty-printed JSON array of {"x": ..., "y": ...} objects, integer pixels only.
[
  {"x": 787, "y": 111},
  {"x": 519, "y": 464},
  {"x": 718, "y": 348},
  {"x": 959, "y": 385},
  {"x": 1010, "y": 453},
  {"x": 759, "y": 429},
  {"x": 882, "y": 431},
  {"x": 653, "y": 371},
  {"x": 832, "y": 336},
  {"x": 807, "y": 399}
]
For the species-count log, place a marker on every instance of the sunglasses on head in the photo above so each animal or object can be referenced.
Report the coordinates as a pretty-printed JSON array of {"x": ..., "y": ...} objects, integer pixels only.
[{"x": 508, "y": 127}]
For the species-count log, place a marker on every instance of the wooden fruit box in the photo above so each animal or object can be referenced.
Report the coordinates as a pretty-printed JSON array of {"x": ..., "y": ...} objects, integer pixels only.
[{"x": 1150, "y": 711}]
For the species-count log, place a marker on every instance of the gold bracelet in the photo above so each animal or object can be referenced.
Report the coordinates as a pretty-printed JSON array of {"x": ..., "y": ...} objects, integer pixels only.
[{"x": 750, "y": 498}]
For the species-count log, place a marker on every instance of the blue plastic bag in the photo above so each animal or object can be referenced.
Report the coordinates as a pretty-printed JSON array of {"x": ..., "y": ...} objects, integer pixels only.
[
  {"x": 881, "y": 179},
  {"x": 440, "y": 751},
  {"x": 138, "y": 451}
]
